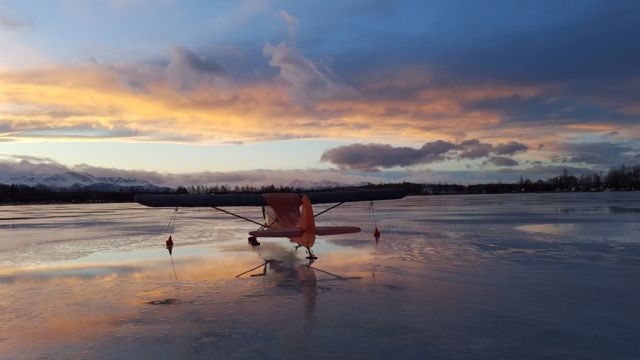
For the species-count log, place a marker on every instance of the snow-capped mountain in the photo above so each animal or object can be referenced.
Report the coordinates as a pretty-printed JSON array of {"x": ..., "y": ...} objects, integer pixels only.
[
  {"x": 71, "y": 180},
  {"x": 318, "y": 185}
]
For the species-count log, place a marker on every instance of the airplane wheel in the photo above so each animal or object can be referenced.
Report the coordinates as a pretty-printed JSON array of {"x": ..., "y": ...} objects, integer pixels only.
[{"x": 253, "y": 241}]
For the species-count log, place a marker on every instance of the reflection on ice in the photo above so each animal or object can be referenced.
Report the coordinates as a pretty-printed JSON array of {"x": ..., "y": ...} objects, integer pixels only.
[
  {"x": 163, "y": 302},
  {"x": 592, "y": 231},
  {"x": 87, "y": 272},
  {"x": 508, "y": 276}
]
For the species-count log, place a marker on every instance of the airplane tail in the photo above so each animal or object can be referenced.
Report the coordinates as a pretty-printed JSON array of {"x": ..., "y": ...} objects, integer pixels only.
[
  {"x": 305, "y": 233},
  {"x": 307, "y": 223}
]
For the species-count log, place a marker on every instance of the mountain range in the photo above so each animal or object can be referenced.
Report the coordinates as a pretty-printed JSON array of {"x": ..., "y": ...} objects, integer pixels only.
[
  {"x": 76, "y": 181},
  {"x": 319, "y": 185},
  {"x": 82, "y": 181}
]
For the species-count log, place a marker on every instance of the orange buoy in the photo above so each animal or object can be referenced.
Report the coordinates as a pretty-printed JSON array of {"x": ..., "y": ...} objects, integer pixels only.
[{"x": 169, "y": 243}]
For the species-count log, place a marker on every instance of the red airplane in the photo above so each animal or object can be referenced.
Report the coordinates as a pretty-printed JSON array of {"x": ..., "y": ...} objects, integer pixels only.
[{"x": 288, "y": 215}]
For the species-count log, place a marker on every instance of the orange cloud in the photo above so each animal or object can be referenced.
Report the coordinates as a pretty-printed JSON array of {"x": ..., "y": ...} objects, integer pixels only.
[{"x": 154, "y": 103}]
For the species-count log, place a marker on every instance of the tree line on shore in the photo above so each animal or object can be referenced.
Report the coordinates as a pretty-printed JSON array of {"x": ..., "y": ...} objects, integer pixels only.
[
  {"x": 617, "y": 178},
  {"x": 622, "y": 178}
]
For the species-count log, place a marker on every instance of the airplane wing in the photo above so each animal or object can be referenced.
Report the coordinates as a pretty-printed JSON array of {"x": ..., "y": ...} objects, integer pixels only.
[
  {"x": 319, "y": 197},
  {"x": 328, "y": 197},
  {"x": 201, "y": 200}
]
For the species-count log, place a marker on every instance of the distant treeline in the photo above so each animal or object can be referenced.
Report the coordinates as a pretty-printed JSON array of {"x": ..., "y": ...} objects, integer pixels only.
[
  {"x": 622, "y": 178},
  {"x": 23, "y": 194},
  {"x": 617, "y": 179}
]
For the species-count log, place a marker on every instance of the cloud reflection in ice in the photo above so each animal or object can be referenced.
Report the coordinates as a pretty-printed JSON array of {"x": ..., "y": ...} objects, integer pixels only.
[{"x": 451, "y": 277}]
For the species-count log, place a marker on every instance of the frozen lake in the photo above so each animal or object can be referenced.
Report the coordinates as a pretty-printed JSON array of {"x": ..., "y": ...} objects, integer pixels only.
[{"x": 514, "y": 276}]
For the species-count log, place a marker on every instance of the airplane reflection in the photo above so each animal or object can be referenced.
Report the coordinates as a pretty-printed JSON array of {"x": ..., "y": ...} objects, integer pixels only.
[{"x": 301, "y": 277}]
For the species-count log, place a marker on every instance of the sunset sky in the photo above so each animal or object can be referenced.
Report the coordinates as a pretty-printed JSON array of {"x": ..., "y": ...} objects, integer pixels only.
[{"x": 339, "y": 90}]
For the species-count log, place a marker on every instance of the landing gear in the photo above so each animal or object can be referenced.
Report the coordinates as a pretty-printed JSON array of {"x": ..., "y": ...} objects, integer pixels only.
[
  {"x": 311, "y": 255},
  {"x": 253, "y": 241}
]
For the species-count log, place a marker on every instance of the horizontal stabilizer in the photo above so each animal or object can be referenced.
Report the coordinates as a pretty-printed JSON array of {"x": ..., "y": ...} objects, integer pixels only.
[
  {"x": 336, "y": 230},
  {"x": 295, "y": 232},
  {"x": 286, "y": 232}
]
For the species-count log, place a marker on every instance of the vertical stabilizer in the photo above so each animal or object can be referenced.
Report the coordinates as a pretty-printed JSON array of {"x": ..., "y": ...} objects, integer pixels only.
[{"x": 307, "y": 223}]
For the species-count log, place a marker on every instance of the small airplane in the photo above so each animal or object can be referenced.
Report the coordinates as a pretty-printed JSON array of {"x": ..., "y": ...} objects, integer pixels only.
[{"x": 286, "y": 215}]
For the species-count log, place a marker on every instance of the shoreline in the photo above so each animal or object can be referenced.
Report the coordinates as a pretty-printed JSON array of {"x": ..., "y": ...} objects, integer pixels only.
[{"x": 410, "y": 194}]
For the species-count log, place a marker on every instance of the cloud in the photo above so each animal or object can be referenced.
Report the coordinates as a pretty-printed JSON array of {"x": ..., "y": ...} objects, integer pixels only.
[
  {"x": 368, "y": 157},
  {"x": 10, "y": 22},
  {"x": 371, "y": 157},
  {"x": 502, "y": 161},
  {"x": 192, "y": 98},
  {"x": 553, "y": 107},
  {"x": 16, "y": 166},
  {"x": 187, "y": 71},
  {"x": 601, "y": 154},
  {"x": 583, "y": 73},
  {"x": 31, "y": 159},
  {"x": 533, "y": 43},
  {"x": 292, "y": 23},
  {"x": 13, "y": 167},
  {"x": 611, "y": 134},
  {"x": 510, "y": 148},
  {"x": 388, "y": 78},
  {"x": 474, "y": 149},
  {"x": 310, "y": 81}
]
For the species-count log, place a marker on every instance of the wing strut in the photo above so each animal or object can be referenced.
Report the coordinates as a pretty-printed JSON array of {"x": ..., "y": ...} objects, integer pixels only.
[
  {"x": 325, "y": 210},
  {"x": 238, "y": 216}
]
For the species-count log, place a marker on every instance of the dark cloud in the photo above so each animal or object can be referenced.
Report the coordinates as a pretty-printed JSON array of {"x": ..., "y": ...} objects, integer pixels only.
[
  {"x": 368, "y": 157},
  {"x": 582, "y": 56},
  {"x": 578, "y": 41},
  {"x": 310, "y": 80},
  {"x": 510, "y": 148},
  {"x": 186, "y": 70},
  {"x": 611, "y": 134},
  {"x": 502, "y": 161},
  {"x": 601, "y": 154},
  {"x": 371, "y": 157},
  {"x": 474, "y": 149},
  {"x": 551, "y": 108},
  {"x": 528, "y": 41},
  {"x": 182, "y": 70}
]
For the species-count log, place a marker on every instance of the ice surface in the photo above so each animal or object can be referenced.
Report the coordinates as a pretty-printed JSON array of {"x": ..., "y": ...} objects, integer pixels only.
[{"x": 526, "y": 276}]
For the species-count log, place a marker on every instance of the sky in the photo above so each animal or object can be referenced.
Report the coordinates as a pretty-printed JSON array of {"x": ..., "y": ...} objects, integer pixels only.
[{"x": 348, "y": 91}]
